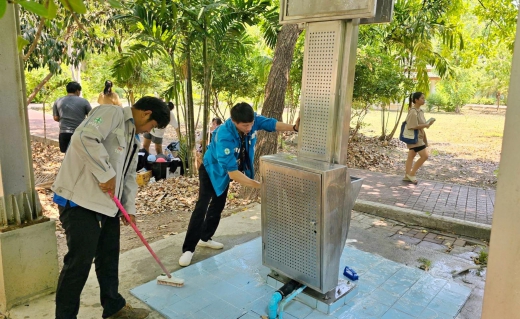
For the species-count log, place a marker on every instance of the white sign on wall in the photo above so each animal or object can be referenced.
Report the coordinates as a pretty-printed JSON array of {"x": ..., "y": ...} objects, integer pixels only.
[{"x": 294, "y": 11}]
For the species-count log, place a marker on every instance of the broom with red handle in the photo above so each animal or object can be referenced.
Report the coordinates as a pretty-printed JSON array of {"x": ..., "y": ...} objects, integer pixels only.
[{"x": 165, "y": 279}]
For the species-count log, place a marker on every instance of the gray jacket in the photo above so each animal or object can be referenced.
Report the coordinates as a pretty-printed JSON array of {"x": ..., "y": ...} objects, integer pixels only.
[{"x": 103, "y": 146}]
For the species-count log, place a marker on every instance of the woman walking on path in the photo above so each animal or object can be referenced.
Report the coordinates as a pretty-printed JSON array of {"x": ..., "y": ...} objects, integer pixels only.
[
  {"x": 416, "y": 121},
  {"x": 109, "y": 97}
]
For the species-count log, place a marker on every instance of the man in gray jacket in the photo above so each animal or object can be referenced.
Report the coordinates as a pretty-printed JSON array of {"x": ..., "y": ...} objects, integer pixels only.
[{"x": 102, "y": 158}]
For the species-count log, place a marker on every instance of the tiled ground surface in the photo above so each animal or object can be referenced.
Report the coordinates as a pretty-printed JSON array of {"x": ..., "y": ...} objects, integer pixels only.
[
  {"x": 233, "y": 285},
  {"x": 456, "y": 201}
]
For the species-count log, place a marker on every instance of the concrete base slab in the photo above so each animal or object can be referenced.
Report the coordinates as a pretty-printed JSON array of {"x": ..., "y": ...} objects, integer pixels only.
[{"x": 28, "y": 264}]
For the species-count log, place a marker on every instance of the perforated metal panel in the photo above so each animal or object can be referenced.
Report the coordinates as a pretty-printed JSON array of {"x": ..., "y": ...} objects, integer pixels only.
[
  {"x": 292, "y": 198},
  {"x": 318, "y": 109}
]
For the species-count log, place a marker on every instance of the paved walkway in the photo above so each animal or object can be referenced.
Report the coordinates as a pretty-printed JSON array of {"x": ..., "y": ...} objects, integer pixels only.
[
  {"x": 36, "y": 125},
  {"x": 450, "y": 200},
  {"x": 437, "y": 198}
]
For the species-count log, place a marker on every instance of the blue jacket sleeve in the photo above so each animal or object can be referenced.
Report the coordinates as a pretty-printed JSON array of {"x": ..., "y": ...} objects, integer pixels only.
[
  {"x": 265, "y": 123},
  {"x": 225, "y": 150}
]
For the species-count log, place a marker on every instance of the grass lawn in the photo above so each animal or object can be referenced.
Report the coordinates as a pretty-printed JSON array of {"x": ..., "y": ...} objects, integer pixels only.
[{"x": 475, "y": 135}]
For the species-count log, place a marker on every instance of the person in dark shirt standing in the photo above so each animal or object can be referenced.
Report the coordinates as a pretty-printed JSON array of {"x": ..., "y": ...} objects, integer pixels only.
[{"x": 70, "y": 111}]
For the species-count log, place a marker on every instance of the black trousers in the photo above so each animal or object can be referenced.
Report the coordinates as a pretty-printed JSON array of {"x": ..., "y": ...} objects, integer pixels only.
[
  {"x": 89, "y": 235},
  {"x": 64, "y": 140},
  {"x": 206, "y": 215}
]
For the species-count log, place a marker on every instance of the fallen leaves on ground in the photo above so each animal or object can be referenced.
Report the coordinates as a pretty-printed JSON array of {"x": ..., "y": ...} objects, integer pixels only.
[
  {"x": 46, "y": 162},
  {"x": 178, "y": 193}
]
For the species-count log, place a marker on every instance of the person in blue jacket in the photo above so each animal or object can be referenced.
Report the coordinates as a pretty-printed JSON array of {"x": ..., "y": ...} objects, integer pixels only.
[{"x": 229, "y": 157}]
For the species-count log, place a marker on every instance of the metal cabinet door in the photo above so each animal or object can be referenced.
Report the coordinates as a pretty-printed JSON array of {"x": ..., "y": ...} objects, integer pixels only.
[{"x": 291, "y": 212}]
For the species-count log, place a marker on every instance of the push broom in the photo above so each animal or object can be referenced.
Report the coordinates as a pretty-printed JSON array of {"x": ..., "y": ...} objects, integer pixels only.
[{"x": 165, "y": 279}]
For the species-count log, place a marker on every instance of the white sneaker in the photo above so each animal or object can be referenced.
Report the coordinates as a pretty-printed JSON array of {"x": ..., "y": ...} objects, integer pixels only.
[
  {"x": 210, "y": 244},
  {"x": 185, "y": 259}
]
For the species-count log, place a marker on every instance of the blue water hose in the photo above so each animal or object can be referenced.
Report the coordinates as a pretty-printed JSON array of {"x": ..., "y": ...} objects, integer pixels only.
[
  {"x": 289, "y": 298},
  {"x": 273, "y": 304}
]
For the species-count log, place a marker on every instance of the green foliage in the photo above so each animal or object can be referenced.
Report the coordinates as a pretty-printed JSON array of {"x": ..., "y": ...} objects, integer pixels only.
[
  {"x": 494, "y": 73},
  {"x": 379, "y": 79},
  {"x": 3, "y": 7},
  {"x": 21, "y": 43},
  {"x": 233, "y": 75},
  {"x": 35, "y": 8},
  {"x": 459, "y": 89},
  {"x": 482, "y": 258},
  {"x": 49, "y": 10},
  {"x": 411, "y": 36},
  {"x": 487, "y": 101},
  {"x": 425, "y": 264},
  {"x": 52, "y": 90},
  {"x": 436, "y": 100},
  {"x": 294, "y": 86},
  {"x": 499, "y": 18},
  {"x": 120, "y": 92},
  {"x": 75, "y": 5},
  {"x": 58, "y": 37}
]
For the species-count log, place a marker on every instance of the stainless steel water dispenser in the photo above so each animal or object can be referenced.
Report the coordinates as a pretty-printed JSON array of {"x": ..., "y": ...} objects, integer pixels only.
[{"x": 307, "y": 199}]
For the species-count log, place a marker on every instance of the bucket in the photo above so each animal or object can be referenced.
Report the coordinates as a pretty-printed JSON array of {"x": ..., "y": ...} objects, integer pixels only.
[{"x": 159, "y": 170}]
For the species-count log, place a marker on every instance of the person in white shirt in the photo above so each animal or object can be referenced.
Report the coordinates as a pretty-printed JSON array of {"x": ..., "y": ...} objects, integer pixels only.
[{"x": 156, "y": 135}]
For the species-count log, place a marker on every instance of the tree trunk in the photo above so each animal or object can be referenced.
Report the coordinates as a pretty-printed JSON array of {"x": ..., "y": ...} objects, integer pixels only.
[
  {"x": 36, "y": 39},
  {"x": 275, "y": 93},
  {"x": 198, "y": 113},
  {"x": 131, "y": 96},
  {"x": 192, "y": 152},
  {"x": 207, "y": 94},
  {"x": 398, "y": 119},
  {"x": 76, "y": 73},
  {"x": 216, "y": 107},
  {"x": 39, "y": 87},
  {"x": 176, "y": 96},
  {"x": 44, "y": 125},
  {"x": 391, "y": 135}
]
